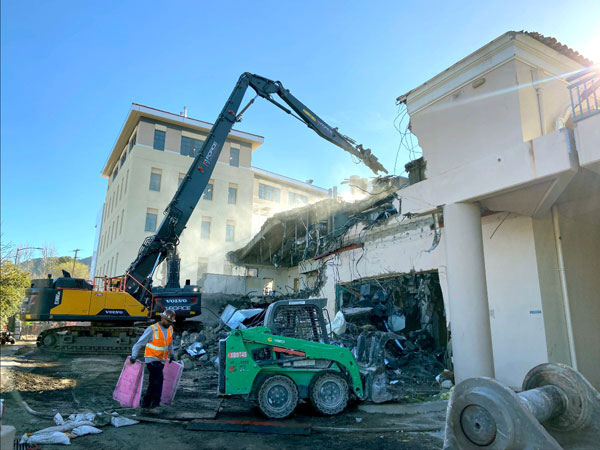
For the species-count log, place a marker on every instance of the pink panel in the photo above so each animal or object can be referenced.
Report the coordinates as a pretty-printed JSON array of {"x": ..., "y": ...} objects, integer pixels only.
[
  {"x": 129, "y": 386},
  {"x": 172, "y": 374}
]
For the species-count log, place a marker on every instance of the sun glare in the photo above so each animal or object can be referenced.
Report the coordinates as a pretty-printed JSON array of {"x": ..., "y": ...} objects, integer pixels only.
[{"x": 591, "y": 49}]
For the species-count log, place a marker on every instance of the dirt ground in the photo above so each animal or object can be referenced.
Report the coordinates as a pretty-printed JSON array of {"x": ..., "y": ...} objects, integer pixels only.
[{"x": 80, "y": 383}]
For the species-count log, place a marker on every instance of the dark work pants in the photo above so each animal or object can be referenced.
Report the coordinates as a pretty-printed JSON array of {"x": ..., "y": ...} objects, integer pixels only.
[{"x": 153, "y": 392}]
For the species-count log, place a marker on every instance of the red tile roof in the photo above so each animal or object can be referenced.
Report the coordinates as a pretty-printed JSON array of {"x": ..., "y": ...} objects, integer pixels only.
[{"x": 560, "y": 48}]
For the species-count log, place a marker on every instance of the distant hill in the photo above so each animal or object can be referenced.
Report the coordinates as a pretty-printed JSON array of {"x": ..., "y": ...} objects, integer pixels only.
[
  {"x": 87, "y": 261},
  {"x": 40, "y": 267}
]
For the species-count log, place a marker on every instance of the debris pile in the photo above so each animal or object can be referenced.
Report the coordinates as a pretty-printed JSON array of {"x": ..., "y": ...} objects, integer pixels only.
[
  {"x": 410, "y": 307},
  {"x": 194, "y": 349}
]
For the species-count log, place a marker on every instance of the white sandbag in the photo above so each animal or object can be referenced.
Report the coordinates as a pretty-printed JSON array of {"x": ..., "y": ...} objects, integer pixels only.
[
  {"x": 85, "y": 429},
  {"x": 122, "y": 421},
  {"x": 58, "y": 419},
  {"x": 82, "y": 416},
  {"x": 67, "y": 426},
  {"x": 52, "y": 437}
]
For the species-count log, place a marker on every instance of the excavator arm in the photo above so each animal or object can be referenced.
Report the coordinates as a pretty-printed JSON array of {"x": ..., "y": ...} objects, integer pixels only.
[{"x": 156, "y": 248}]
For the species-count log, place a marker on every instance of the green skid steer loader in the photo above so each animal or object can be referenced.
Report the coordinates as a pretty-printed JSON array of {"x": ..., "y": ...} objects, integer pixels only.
[{"x": 290, "y": 358}]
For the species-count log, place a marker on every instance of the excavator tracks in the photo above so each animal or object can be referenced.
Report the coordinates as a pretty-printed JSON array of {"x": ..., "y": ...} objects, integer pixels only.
[{"x": 89, "y": 339}]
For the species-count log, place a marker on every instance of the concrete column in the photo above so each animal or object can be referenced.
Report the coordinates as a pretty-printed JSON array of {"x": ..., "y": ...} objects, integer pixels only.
[{"x": 467, "y": 289}]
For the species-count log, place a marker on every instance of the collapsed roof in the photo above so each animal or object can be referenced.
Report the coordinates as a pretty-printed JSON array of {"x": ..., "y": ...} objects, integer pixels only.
[{"x": 316, "y": 230}]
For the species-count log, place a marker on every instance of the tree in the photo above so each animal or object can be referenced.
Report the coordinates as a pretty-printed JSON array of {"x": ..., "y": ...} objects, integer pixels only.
[{"x": 13, "y": 282}]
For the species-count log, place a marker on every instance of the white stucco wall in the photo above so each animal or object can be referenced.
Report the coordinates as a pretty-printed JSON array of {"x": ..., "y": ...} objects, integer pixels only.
[
  {"x": 469, "y": 122},
  {"x": 514, "y": 298},
  {"x": 581, "y": 248}
]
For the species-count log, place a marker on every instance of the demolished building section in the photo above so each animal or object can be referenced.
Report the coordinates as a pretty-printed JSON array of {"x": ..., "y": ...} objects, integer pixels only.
[
  {"x": 352, "y": 254},
  {"x": 315, "y": 231},
  {"x": 516, "y": 179}
]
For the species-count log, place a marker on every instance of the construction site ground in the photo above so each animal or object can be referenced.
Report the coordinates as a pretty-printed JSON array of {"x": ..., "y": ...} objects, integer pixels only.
[{"x": 85, "y": 383}]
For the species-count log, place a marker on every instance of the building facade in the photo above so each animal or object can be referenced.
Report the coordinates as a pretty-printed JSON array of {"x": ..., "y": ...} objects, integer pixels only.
[
  {"x": 504, "y": 214},
  {"x": 151, "y": 156}
]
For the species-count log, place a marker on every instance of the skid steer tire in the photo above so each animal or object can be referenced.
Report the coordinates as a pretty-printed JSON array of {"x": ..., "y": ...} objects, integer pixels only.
[
  {"x": 277, "y": 397},
  {"x": 329, "y": 393}
]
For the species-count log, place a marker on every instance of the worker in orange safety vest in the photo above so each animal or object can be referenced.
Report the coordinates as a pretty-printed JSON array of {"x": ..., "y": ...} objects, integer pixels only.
[{"x": 158, "y": 342}]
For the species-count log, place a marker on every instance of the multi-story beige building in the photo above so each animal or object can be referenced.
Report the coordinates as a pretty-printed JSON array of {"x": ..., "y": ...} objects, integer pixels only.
[{"x": 150, "y": 157}]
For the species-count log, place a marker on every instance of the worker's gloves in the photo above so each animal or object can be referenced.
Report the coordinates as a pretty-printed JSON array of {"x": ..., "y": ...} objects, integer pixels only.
[
  {"x": 131, "y": 361},
  {"x": 170, "y": 359}
]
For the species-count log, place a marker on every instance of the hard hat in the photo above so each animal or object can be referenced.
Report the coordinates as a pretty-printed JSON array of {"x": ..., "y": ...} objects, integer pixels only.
[{"x": 168, "y": 314}]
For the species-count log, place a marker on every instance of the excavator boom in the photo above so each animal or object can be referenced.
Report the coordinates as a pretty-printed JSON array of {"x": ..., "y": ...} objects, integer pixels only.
[{"x": 156, "y": 248}]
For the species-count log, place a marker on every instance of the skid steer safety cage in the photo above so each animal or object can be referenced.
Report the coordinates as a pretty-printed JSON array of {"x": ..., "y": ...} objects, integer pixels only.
[{"x": 300, "y": 322}]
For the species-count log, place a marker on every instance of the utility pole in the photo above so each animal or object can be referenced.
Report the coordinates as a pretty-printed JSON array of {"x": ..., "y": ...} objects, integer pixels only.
[{"x": 74, "y": 260}]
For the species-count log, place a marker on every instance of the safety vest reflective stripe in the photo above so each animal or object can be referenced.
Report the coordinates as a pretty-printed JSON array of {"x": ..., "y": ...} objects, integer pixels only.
[
  {"x": 155, "y": 347},
  {"x": 155, "y": 329}
]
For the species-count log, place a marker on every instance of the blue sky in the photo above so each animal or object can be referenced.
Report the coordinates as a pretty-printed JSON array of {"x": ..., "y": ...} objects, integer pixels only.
[{"x": 71, "y": 69}]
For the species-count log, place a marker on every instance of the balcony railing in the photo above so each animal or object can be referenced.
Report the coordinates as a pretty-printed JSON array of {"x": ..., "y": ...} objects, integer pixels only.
[{"x": 585, "y": 90}]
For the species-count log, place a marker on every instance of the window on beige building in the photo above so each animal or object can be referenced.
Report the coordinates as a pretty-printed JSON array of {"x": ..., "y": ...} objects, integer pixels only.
[
  {"x": 232, "y": 194},
  {"x": 230, "y": 231},
  {"x": 234, "y": 157},
  {"x": 155, "y": 178},
  {"x": 190, "y": 147},
  {"x": 132, "y": 143},
  {"x": 227, "y": 269},
  {"x": 205, "y": 228},
  {"x": 208, "y": 192},
  {"x": 297, "y": 199},
  {"x": 267, "y": 192},
  {"x": 159, "y": 140},
  {"x": 151, "y": 217}
]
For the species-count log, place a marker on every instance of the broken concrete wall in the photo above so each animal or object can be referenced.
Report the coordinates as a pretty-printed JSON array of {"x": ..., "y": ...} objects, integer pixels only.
[{"x": 398, "y": 252}]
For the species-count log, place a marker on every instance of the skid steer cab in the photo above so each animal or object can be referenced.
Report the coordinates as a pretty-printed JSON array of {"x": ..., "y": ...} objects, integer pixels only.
[{"x": 287, "y": 359}]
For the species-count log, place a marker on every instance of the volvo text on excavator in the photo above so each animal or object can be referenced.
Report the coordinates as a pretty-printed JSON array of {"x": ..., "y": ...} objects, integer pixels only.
[{"x": 113, "y": 305}]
